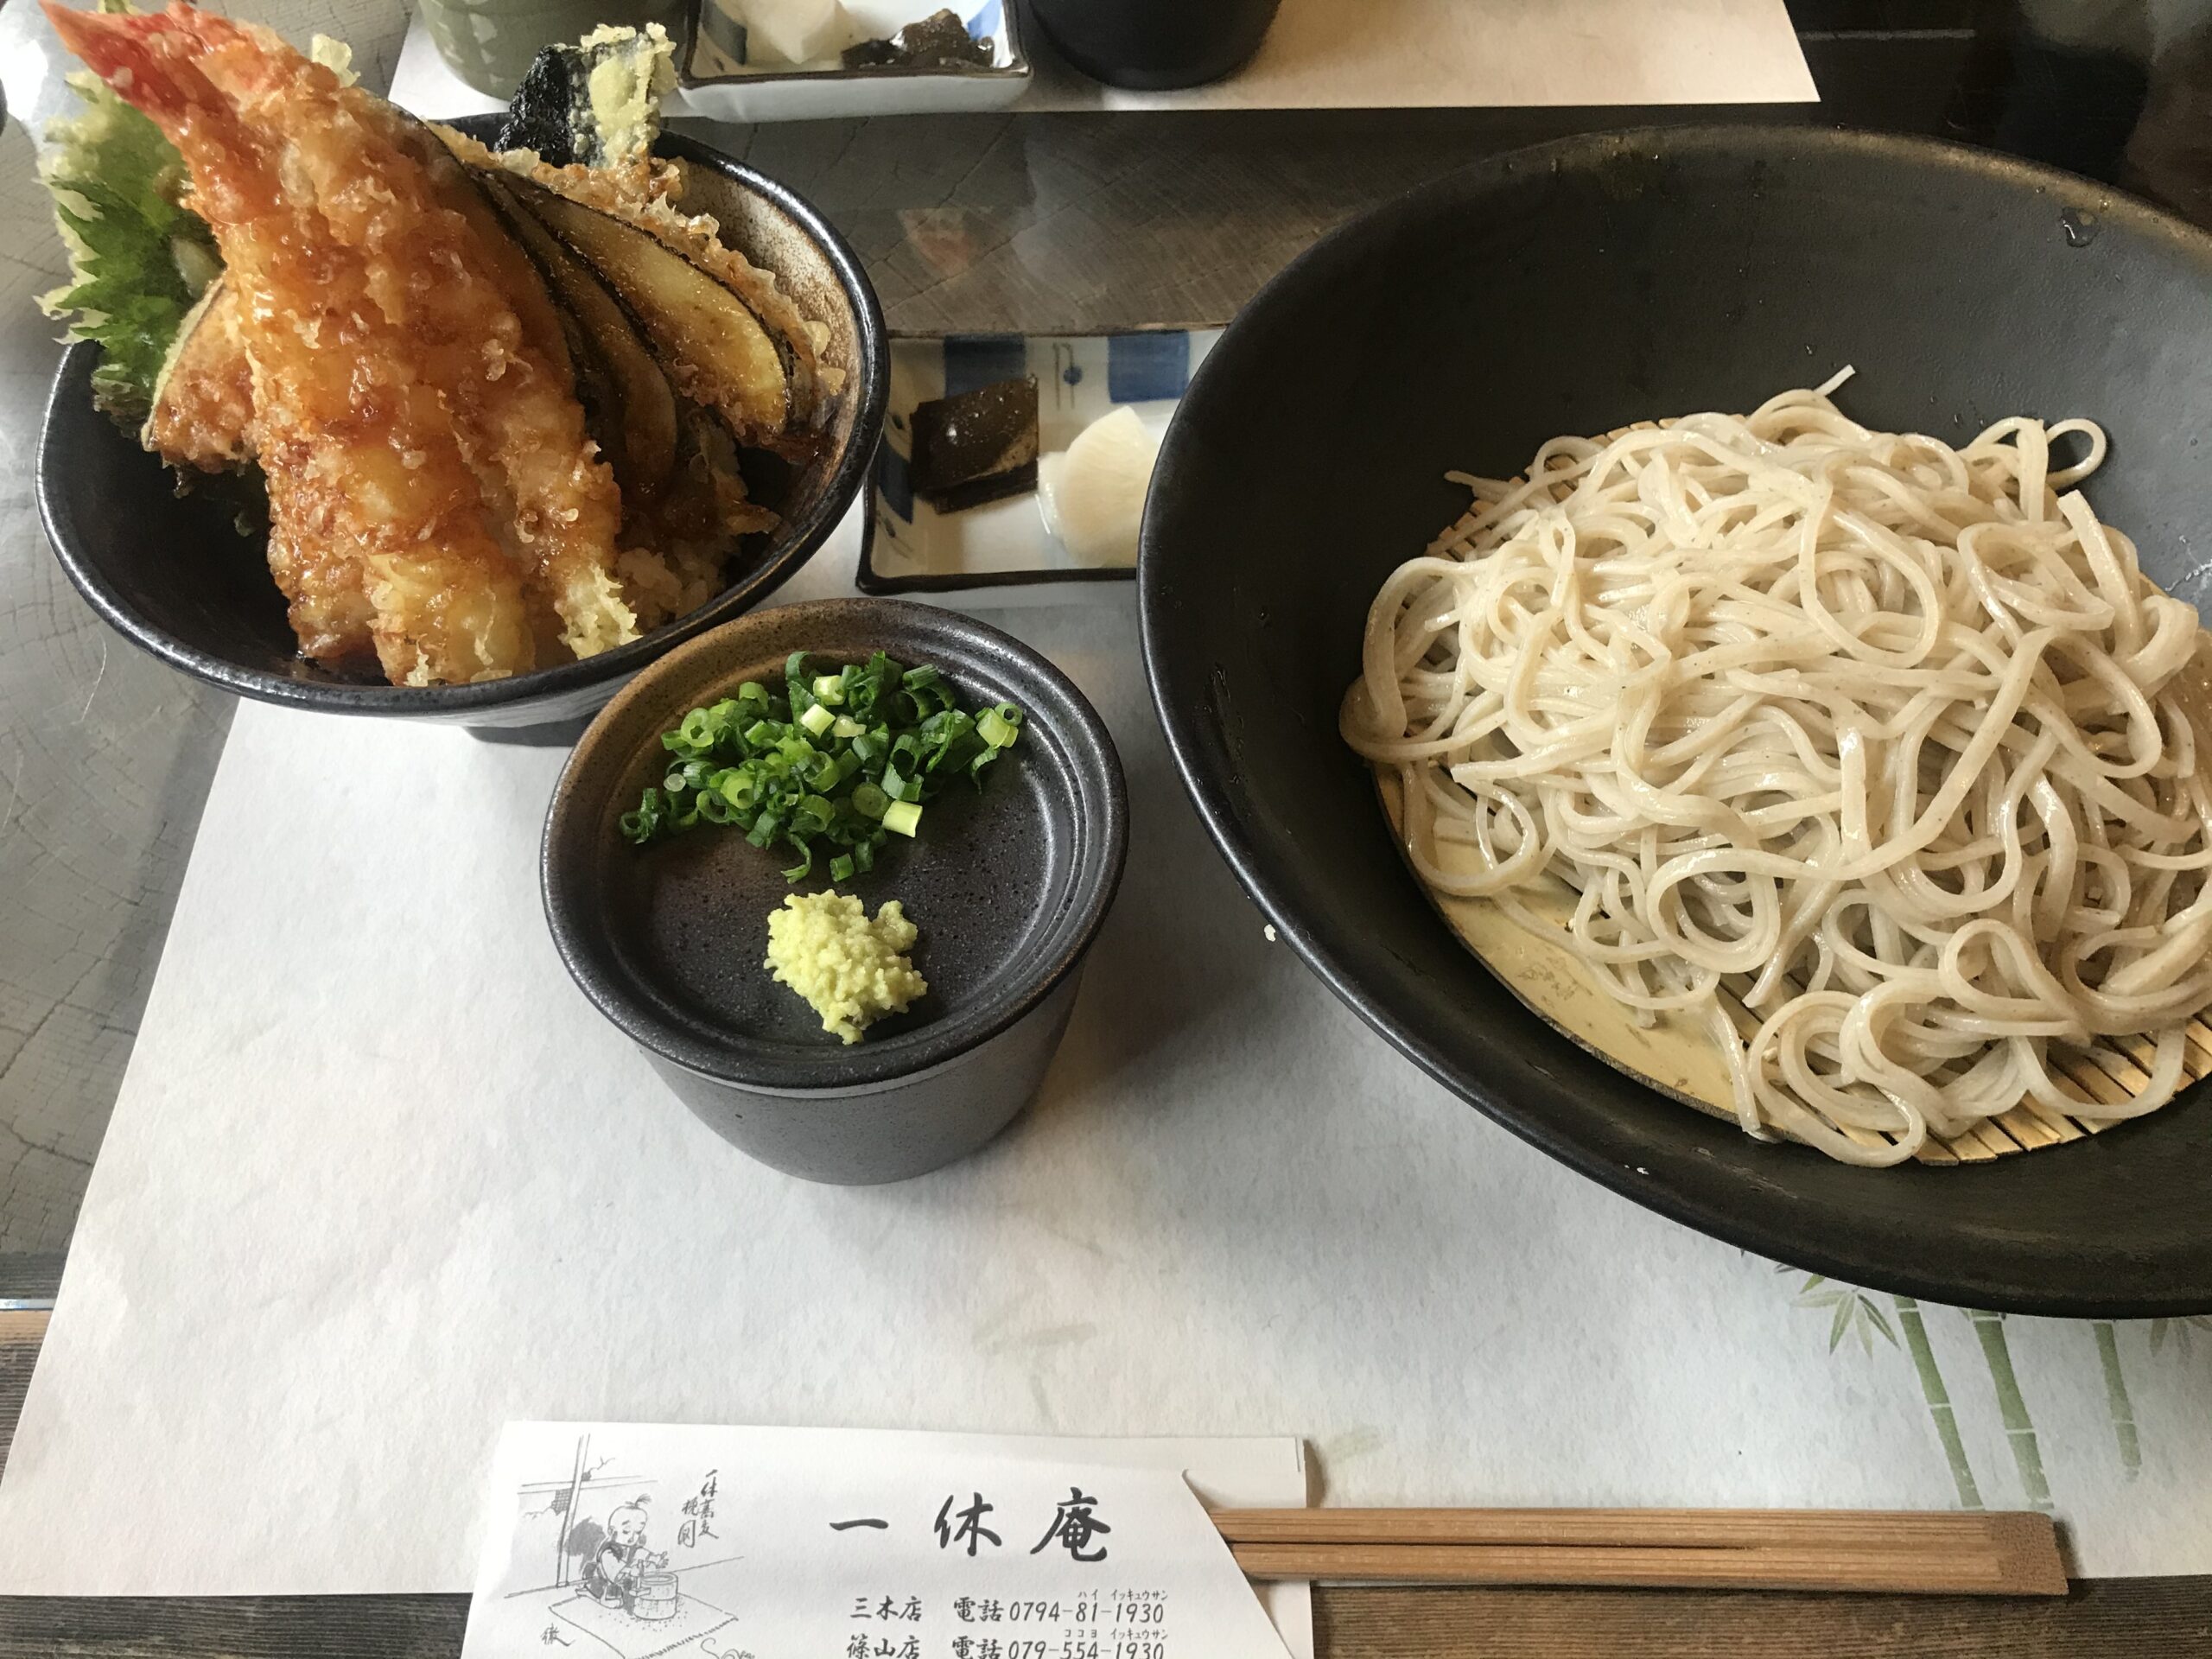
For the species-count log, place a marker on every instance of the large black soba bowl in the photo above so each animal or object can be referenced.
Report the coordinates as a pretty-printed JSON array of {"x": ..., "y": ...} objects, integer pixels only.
[
  {"x": 173, "y": 574},
  {"x": 1573, "y": 289}
]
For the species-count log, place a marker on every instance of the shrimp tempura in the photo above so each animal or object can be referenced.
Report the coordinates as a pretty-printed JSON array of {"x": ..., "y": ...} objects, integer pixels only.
[{"x": 426, "y": 467}]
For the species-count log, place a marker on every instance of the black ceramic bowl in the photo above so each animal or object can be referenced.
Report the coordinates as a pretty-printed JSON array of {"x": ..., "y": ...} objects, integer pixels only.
[
  {"x": 172, "y": 574},
  {"x": 1571, "y": 289},
  {"x": 1008, "y": 885}
]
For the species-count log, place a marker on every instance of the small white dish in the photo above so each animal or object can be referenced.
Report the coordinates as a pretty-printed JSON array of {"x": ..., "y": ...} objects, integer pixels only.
[
  {"x": 908, "y": 547},
  {"x": 713, "y": 83}
]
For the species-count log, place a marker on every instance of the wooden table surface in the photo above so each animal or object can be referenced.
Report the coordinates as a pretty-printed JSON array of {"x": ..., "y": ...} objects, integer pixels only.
[{"x": 2109, "y": 1618}]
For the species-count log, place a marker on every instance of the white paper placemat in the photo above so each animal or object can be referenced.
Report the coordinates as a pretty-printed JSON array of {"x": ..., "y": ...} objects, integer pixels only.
[
  {"x": 1362, "y": 54},
  {"x": 381, "y": 1180}
]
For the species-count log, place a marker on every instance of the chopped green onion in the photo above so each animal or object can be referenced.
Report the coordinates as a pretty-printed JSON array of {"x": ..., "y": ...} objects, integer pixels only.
[
  {"x": 998, "y": 726},
  {"x": 846, "y": 758}
]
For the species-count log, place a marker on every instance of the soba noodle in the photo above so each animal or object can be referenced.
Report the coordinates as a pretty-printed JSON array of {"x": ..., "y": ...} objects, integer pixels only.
[{"x": 1889, "y": 742}]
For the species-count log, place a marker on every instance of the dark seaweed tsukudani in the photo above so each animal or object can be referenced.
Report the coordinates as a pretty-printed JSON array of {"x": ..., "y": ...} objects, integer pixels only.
[
  {"x": 940, "y": 41},
  {"x": 977, "y": 446}
]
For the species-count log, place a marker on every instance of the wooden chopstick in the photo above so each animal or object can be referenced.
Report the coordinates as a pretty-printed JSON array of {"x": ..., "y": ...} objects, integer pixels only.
[
  {"x": 1909, "y": 1552},
  {"x": 1875, "y": 1528}
]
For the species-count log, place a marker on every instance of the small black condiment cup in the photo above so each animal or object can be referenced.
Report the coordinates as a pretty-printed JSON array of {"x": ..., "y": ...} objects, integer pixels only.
[{"x": 1008, "y": 885}]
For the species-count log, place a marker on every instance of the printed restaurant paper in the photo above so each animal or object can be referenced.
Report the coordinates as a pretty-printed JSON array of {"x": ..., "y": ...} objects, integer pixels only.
[
  {"x": 668, "y": 1541},
  {"x": 380, "y": 1181}
]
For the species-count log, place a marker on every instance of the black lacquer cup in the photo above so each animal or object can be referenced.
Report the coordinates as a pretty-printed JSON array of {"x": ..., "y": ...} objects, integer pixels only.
[
  {"x": 1008, "y": 884},
  {"x": 1155, "y": 45}
]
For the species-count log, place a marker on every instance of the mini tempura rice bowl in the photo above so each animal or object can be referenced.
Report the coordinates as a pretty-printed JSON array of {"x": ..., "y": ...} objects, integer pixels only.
[{"x": 172, "y": 574}]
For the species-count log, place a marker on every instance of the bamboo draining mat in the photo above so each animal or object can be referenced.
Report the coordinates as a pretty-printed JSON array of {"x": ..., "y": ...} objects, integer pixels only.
[
  {"x": 1906, "y": 1553},
  {"x": 2107, "y": 1074}
]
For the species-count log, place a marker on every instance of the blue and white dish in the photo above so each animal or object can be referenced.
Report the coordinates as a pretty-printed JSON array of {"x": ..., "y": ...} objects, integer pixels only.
[
  {"x": 908, "y": 547},
  {"x": 716, "y": 82}
]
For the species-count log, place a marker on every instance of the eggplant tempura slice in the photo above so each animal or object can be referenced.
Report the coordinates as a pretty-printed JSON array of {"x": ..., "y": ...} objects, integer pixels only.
[
  {"x": 684, "y": 495},
  {"x": 716, "y": 350},
  {"x": 639, "y": 198},
  {"x": 697, "y": 237},
  {"x": 685, "y": 500},
  {"x": 616, "y": 368}
]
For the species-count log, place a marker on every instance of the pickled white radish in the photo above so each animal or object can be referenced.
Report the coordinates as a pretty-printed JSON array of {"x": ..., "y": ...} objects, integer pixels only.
[
  {"x": 1093, "y": 495},
  {"x": 793, "y": 31}
]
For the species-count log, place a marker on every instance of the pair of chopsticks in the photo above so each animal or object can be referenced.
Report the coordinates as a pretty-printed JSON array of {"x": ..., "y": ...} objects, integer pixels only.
[{"x": 1898, "y": 1553}]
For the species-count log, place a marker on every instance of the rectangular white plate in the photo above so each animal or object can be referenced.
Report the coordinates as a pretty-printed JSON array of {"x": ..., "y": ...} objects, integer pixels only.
[{"x": 908, "y": 547}]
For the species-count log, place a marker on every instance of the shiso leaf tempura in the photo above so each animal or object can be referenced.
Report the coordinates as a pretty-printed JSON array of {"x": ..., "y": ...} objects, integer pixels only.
[{"x": 139, "y": 257}]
